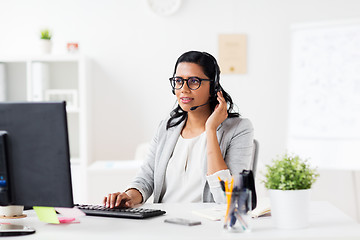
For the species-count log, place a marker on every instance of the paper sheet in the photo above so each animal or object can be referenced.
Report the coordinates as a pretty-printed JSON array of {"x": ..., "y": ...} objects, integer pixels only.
[
  {"x": 214, "y": 213},
  {"x": 70, "y": 212}
]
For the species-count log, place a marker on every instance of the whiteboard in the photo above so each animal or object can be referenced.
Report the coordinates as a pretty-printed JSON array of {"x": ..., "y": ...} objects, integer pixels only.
[{"x": 325, "y": 91}]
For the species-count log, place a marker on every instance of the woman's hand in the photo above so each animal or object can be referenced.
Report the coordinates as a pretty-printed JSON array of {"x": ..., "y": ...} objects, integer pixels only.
[
  {"x": 219, "y": 115},
  {"x": 119, "y": 199}
]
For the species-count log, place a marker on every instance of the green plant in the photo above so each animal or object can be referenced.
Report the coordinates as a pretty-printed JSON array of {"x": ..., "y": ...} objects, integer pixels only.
[
  {"x": 46, "y": 34},
  {"x": 290, "y": 173}
]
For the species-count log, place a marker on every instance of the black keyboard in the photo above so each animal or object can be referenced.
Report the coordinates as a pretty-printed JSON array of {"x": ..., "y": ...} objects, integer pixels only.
[{"x": 101, "y": 211}]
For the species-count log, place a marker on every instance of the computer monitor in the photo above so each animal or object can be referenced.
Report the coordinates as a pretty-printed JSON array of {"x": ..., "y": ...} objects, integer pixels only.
[{"x": 34, "y": 155}]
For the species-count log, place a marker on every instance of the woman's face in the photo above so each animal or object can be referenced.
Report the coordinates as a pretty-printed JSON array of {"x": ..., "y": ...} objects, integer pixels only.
[{"x": 186, "y": 97}]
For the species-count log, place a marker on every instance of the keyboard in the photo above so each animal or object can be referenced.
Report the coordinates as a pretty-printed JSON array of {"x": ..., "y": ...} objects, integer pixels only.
[{"x": 136, "y": 213}]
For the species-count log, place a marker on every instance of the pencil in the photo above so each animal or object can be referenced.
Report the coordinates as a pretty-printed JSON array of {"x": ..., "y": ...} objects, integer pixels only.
[{"x": 228, "y": 203}]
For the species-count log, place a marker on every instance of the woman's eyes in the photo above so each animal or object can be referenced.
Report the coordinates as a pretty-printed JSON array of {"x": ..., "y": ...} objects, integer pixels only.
[
  {"x": 179, "y": 80},
  {"x": 193, "y": 80}
]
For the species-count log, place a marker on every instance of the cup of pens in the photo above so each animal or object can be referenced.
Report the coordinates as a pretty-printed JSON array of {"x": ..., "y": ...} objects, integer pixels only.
[
  {"x": 239, "y": 204},
  {"x": 237, "y": 217}
]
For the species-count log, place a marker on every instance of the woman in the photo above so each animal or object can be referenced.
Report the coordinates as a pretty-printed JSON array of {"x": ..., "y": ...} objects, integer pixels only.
[{"x": 201, "y": 141}]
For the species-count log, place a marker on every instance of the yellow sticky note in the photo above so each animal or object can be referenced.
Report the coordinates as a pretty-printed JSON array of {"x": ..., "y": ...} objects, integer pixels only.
[{"x": 46, "y": 214}]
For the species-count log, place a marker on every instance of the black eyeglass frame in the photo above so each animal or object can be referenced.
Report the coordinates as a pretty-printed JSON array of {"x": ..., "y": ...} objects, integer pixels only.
[{"x": 187, "y": 82}]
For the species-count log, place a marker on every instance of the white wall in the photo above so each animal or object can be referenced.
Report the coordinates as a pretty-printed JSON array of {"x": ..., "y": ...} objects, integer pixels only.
[{"x": 134, "y": 51}]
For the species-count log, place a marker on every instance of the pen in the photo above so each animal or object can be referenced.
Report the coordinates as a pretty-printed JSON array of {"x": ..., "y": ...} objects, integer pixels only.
[
  {"x": 222, "y": 185},
  {"x": 234, "y": 201}
]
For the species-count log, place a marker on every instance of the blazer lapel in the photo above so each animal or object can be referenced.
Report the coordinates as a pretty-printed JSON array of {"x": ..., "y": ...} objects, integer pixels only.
[
  {"x": 219, "y": 134},
  {"x": 172, "y": 136}
]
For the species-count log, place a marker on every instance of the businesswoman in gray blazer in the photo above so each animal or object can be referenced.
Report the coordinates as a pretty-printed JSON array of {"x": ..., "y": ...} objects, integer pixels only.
[{"x": 202, "y": 140}]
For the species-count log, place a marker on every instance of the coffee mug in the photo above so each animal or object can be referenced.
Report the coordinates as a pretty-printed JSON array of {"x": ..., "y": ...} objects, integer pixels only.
[{"x": 11, "y": 211}]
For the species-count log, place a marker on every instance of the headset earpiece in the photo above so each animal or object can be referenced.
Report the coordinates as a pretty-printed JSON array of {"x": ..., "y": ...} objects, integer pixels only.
[
  {"x": 217, "y": 87},
  {"x": 173, "y": 91}
]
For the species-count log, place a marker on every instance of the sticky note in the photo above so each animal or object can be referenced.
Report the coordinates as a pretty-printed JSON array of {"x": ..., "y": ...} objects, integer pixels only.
[
  {"x": 67, "y": 220},
  {"x": 46, "y": 214},
  {"x": 70, "y": 212}
]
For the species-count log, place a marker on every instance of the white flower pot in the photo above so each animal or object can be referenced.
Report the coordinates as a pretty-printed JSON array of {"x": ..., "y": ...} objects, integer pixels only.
[
  {"x": 290, "y": 208},
  {"x": 45, "y": 46}
]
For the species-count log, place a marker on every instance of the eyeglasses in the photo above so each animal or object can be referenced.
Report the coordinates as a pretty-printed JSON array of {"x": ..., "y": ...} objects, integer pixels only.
[{"x": 192, "y": 82}]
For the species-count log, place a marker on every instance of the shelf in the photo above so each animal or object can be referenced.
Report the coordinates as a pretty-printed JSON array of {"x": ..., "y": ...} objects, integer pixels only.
[
  {"x": 55, "y": 78},
  {"x": 43, "y": 58}
]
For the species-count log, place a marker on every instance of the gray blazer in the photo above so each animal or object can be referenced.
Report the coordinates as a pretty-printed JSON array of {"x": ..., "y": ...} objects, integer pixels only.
[{"x": 235, "y": 136}]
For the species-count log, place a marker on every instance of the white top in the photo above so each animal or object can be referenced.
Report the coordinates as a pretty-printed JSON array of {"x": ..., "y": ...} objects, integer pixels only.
[{"x": 184, "y": 179}]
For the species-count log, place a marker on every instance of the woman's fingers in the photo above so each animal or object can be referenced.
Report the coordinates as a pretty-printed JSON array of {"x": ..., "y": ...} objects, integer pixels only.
[
  {"x": 117, "y": 199},
  {"x": 219, "y": 114},
  {"x": 222, "y": 103},
  {"x": 221, "y": 98},
  {"x": 129, "y": 204},
  {"x": 113, "y": 199},
  {"x": 109, "y": 201},
  {"x": 122, "y": 199}
]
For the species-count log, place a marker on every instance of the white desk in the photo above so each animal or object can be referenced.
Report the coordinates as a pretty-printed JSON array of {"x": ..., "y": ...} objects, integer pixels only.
[{"x": 326, "y": 222}]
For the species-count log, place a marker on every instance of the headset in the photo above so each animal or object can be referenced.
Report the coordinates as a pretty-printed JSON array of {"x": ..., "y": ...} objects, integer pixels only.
[{"x": 217, "y": 88}]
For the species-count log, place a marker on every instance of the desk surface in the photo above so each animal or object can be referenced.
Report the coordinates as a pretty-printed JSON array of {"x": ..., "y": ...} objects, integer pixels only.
[{"x": 326, "y": 222}]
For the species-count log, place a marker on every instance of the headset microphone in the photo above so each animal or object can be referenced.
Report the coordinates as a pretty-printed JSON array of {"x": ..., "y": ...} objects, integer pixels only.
[{"x": 195, "y": 107}]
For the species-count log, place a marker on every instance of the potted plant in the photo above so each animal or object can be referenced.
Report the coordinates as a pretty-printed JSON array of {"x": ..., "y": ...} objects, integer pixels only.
[
  {"x": 45, "y": 41},
  {"x": 289, "y": 179}
]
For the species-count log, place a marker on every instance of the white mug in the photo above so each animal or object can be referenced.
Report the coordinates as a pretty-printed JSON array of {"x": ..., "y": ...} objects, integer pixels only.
[{"x": 11, "y": 211}]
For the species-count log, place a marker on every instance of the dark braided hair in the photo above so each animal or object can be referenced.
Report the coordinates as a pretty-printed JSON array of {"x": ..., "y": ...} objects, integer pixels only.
[{"x": 210, "y": 69}]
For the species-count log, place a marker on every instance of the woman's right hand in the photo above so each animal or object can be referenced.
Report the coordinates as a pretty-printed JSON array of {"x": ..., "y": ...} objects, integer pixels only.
[{"x": 119, "y": 199}]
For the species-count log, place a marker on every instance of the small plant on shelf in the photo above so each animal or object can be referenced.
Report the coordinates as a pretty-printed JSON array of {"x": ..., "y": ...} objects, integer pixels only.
[
  {"x": 45, "y": 34},
  {"x": 45, "y": 41}
]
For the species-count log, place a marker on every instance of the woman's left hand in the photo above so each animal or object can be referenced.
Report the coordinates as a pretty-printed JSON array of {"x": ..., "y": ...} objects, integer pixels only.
[{"x": 219, "y": 115}]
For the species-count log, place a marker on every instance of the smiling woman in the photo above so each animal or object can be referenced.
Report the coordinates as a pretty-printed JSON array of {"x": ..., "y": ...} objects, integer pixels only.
[{"x": 202, "y": 140}]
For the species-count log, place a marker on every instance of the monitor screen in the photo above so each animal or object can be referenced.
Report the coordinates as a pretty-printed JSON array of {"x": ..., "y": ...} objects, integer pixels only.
[{"x": 37, "y": 153}]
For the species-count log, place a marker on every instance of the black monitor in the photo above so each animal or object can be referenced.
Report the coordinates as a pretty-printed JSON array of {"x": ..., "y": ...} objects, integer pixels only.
[{"x": 34, "y": 155}]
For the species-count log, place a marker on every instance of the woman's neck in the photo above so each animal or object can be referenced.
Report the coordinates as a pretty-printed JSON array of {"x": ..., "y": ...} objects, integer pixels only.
[{"x": 195, "y": 124}]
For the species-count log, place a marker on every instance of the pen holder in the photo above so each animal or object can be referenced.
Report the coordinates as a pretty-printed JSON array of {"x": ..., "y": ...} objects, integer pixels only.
[{"x": 237, "y": 217}]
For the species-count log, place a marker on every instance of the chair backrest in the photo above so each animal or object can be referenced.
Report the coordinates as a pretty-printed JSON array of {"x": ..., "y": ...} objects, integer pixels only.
[{"x": 255, "y": 157}]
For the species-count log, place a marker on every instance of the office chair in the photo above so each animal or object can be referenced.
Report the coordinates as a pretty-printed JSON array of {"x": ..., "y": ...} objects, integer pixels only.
[{"x": 254, "y": 159}]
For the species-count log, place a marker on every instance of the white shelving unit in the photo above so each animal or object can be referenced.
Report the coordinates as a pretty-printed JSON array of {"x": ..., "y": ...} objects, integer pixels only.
[{"x": 51, "y": 78}]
